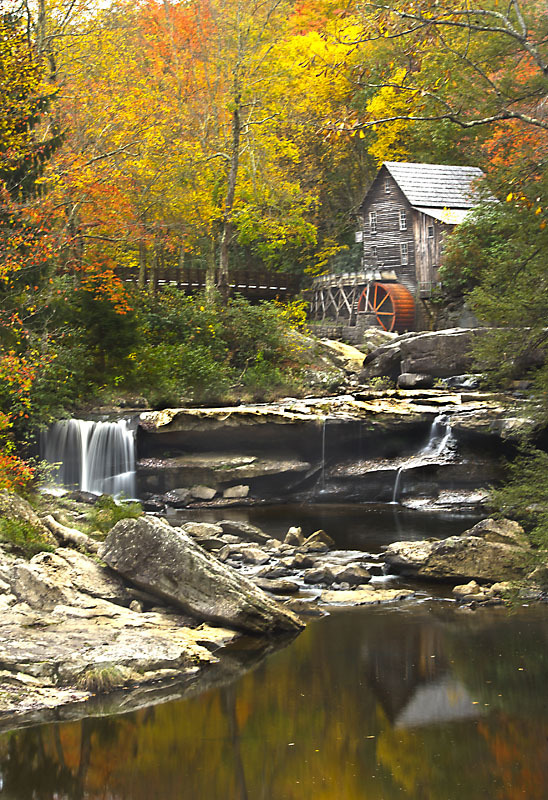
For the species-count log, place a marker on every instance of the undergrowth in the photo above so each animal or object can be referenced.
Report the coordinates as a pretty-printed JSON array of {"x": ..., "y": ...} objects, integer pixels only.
[
  {"x": 23, "y": 538},
  {"x": 100, "y": 680},
  {"x": 107, "y": 512}
]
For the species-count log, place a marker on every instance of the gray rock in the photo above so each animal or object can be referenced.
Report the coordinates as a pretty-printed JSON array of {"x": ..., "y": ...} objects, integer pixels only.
[
  {"x": 167, "y": 562},
  {"x": 236, "y": 492},
  {"x": 364, "y": 596},
  {"x": 273, "y": 544},
  {"x": 202, "y": 529},
  {"x": 467, "y": 382},
  {"x": 203, "y": 492},
  {"x": 319, "y": 575},
  {"x": 318, "y": 538},
  {"x": 16, "y": 508},
  {"x": 465, "y": 590},
  {"x": 154, "y": 502},
  {"x": 502, "y": 531},
  {"x": 254, "y": 555},
  {"x": 297, "y": 562},
  {"x": 37, "y": 588},
  {"x": 407, "y": 558},
  {"x": 59, "y": 578},
  {"x": 385, "y": 361},
  {"x": 210, "y": 543},
  {"x": 412, "y": 380},
  {"x": 294, "y": 536},
  {"x": 439, "y": 353},
  {"x": 460, "y": 558},
  {"x": 243, "y": 530},
  {"x": 353, "y": 574},
  {"x": 178, "y": 498},
  {"x": 272, "y": 572},
  {"x": 276, "y": 586}
]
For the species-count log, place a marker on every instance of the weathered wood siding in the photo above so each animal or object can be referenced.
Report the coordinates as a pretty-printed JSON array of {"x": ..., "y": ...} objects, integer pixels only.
[
  {"x": 429, "y": 234},
  {"x": 387, "y": 201}
]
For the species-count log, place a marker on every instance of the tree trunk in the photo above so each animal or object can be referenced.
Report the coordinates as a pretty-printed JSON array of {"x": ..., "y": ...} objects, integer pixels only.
[
  {"x": 154, "y": 269},
  {"x": 228, "y": 227},
  {"x": 142, "y": 280},
  {"x": 210, "y": 281}
]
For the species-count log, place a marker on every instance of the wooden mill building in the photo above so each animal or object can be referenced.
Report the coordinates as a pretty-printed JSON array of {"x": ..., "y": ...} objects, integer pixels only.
[{"x": 406, "y": 214}]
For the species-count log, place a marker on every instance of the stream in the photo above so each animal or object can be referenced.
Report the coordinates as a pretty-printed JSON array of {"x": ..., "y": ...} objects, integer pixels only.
[{"x": 419, "y": 700}]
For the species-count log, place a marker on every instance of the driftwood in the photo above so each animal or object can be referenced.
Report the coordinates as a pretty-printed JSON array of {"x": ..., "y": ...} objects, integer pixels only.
[{"x": 70, "y": 535}]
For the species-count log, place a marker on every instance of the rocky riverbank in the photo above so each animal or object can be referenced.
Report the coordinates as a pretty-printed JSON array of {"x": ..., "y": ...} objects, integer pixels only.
[
  {"x": 150, "y": 604},
  {"x": 155, "y": 603}
]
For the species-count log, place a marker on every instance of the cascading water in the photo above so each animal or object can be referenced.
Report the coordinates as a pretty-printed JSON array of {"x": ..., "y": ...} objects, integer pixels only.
[
  {"x": 96, "y": 457},
  {"x": 439, "y": 437},
  {"x": 439, "y": 441},
  {"x": 397, "y": 483},
  {"x": 324, "y": 432}
]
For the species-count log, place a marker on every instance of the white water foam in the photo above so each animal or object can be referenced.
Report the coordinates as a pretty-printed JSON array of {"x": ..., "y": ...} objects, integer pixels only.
[{"x": 97, "y": 457}]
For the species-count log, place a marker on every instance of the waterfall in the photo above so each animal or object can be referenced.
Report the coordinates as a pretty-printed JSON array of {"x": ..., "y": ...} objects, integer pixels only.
[
  {"x": 324, "y": 431},
  {"x": 439, "y": 437},
  {"x": 397, "y": 484},
  {"x": 439, "y": 440},
  {"x": 96, "y": 457}
]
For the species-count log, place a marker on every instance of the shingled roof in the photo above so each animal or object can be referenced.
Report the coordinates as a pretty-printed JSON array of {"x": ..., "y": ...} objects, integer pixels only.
[{"x": 436, "y": 185}]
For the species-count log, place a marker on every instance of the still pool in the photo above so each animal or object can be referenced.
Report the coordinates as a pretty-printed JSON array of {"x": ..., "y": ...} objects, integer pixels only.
[{"x": 421, "y": 701}]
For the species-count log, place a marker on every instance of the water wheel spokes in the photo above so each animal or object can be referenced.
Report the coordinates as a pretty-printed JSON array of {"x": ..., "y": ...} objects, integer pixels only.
[{"x": 391, "y": 303}]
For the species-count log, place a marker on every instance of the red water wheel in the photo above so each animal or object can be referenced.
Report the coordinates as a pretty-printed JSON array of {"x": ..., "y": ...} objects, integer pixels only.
[{"x": 392, "y": 304}]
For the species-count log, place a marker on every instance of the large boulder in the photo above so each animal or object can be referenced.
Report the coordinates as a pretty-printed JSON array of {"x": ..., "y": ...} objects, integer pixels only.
[
  {"x": 439, "y": 354},
  {"x": 459, "y": 558},
  {"x": 166, "y": 562},
  {"x": 502, "y": 531}
]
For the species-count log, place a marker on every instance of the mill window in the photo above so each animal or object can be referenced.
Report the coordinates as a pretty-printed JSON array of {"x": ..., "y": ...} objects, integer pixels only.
[
  {"x": 372, "y": 222},
  {"x": 404, "y": 252},
  {"x": 403, "y": 219},
  {"x": 430, "y": 231}
]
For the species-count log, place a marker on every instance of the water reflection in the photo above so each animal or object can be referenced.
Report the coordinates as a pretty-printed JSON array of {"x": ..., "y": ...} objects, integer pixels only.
[
  {"x": 363, "y": 527},
  {"x": 420, "y": 701}
]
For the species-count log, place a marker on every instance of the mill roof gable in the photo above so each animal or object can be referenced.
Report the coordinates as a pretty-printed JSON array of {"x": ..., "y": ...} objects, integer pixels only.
[{"x": 436, "y": 185}]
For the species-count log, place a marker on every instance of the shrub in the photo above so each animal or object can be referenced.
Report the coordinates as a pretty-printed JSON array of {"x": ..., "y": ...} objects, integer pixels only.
[
  {"x": 100, "y": 680},
  {"x": 23, "y": 537},
  {"x": 107, "y": 512},
  {"x": 525, "y": 495}
]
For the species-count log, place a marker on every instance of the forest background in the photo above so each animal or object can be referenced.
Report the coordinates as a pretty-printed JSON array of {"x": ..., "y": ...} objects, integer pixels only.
[{"x": 221, "y": 134}]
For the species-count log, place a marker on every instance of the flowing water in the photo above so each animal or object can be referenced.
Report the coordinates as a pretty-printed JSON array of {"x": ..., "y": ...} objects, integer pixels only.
[
  {"x": 94, "y": 456},
  {"x": 439, "y": 442}
]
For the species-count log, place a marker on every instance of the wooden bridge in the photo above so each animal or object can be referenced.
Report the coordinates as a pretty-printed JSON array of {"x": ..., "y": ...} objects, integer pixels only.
[
  {"x": 372, "y": 297},
  {"x": 254, "y": 284}
]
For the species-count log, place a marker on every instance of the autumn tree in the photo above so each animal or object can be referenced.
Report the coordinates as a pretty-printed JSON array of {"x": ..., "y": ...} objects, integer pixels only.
[{"x": 470, "y": 63}]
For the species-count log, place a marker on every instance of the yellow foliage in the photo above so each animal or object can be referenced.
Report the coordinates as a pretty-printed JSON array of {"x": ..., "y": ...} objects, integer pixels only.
[{"x": 390, "y": 140}]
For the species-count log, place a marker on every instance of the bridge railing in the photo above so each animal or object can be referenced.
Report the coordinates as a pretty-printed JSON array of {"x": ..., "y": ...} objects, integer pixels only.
[{"x": 191, "y": 279}]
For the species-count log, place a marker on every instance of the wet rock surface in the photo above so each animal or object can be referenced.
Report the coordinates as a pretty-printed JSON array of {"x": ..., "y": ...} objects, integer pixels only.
[
  {"x": 491, "y": 551},
  {"x": 346, "y": 448}
]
